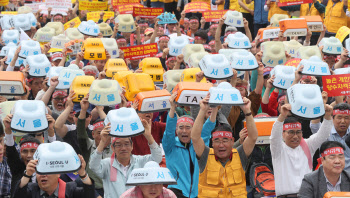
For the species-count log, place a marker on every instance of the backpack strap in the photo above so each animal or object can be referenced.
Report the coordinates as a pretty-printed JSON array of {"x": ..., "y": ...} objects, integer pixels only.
[
  {"x": 114, "y": 171},
  {"x": 61, "y": 188},
  {"x": 306, "y": 150}
]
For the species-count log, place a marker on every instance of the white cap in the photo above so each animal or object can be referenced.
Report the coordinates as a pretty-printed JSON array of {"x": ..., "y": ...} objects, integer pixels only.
[{"x": 225, "y": 94}]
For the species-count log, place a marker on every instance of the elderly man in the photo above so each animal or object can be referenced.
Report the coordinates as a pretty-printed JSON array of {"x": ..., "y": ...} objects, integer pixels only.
[
  {"x": 291, "y": 154},
  {"x": 331, "y": 176},
  {"x": 222, "y": 167},
  {"x": 114, "y": 171}
]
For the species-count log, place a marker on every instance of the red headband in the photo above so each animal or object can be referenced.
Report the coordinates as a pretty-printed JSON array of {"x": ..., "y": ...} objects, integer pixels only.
[
  {"x": 170, "y": 59},
  {"x": 332, "y": 151},
  {"x": 305, "y": 77},
  {"x": 164, "y": 38},
  {"x": 143, "y": 24},
  {"x": 186, "y": 19},
  {"x": 207, "y": 47},
  {"x": 58, "y": 17},
  {"x": 114, "y": 139},
  {"x": 198, "y": 38},
  {"x": 98, "y": 125},
  {"x": 214, "y": 26},
  {"x": 184, "y": 119},
  {"x": 194, "y": 20},
  {"x": 29, "y": 145},
  {"x": 59, "y": 93},
  {"x": 212, "y": 43},
  {"x": 295, "y": 126},
  {"x": 337, "y": 111},
  {"x": 281, "y": 98},
  {"x": 121, "y": 40},
  {"x": 90, "y": 72},
  {"x": 222, "y": 134}
]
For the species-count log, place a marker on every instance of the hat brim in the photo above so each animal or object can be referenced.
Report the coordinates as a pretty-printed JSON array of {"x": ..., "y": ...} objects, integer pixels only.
[
  {"x": 36, "y": 131},
  {"x": 153, "y": 111},
  {"x": 51, "y": 173},
  {"x": 219, "y": 104},
  {"x": 86, "y": 34},
  {"x": 149, "y": 183},
  {"x": 208, "y": 77},
  {"x": 136, "y": 134},
  {"x": 246, "y": 69}
]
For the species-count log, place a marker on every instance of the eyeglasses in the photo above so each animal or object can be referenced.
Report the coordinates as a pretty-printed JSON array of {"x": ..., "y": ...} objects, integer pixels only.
[
  {"x": 126, "y": 145},
  {"x": 293, "y": 133},
  {"x": 333, "y": 157},
  {"x": 224, "y": 141}
]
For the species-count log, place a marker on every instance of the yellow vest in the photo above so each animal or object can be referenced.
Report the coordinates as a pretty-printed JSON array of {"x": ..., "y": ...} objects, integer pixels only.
[
  {"x": 250, "y": 6},
  {"x": 234, "y": 5},
  {"x": 335, "y": 16},
  {"x": 274, "y": 9},
  {"x": 168, "y": 1},
  {"x": 157, "y": 1},
  {"x": 221, "y": 6},
  {"x": 305, "y": 10},
  {"x": 222, "y": 182}
]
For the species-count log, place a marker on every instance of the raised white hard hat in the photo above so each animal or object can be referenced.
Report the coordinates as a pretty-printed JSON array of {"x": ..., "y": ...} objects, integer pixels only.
[
  {"x": 126, "y": 23},
  {"x": 227, "y": 53},
  {"x": 195, "y": 58},
  {"x": 6, "y": 48},
  {"x": 225, "y": 94},
  {"x": 32, "y": 19},
  {"x": 29, "y": 116},
  {"x": 171, "y": 78},
  {"x": 55, "y": 158},
  {"x": 89, "y": 28},
  {"x": 55, "y": 71},
  {"x": 110, "y": 44},
  {"x": 124, "y": 122},
  {"x": 243, "y": 61},
  {"x": 273, "y": 53},
  {"x": 105, "y": 29},
  {"x": 22, "y": 21},
  {"x": 10, "y": 36},
  {"x": 238, "y": 41},
  {"x": 234, "y": 18},
  {"x": 28, "y": 48},
  {"x": 306, "y": 101},
  {"x": 292, "y": 47},
  {"x": 305, "y": 52},
  {"x": 11, "y": 54},
  {"x": 104, "y": 92},
  {"x": 44, "y": 34},
  {"x": 176, "y": 44},
  {"x": 68, "y": 74},
  {"x": 190, "y": 49},
  {"x": 332, "y": 46},
  {"x": 39, "y": 65},
  {"x": 284, "y": 76},
  {"x": 6, "y": 22},
  {"x": 58, "y": 26},
  {"x": 151, "y": 173},
  {"x": 216, "y": 66},
  {"x": 5, "y": 109},
  {"x": 314, "y": 66},
  {"x": 59, "y": 41},
  {"x": 73, "y": 33}
]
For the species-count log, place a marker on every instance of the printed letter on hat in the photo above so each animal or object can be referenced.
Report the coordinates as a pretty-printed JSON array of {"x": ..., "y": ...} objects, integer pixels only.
[
  {"x": 191, "y": 93},
  {"x": 225, "y": 94},
  {"x": 153, "y": 101}
]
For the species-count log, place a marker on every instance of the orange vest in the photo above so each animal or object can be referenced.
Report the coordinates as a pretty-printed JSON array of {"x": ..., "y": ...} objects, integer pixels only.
[
  {"x": 222, "y": 182},
  {"x": 305, "y": 10},
  {"x": 274, "y": 9},
  {"x": 335, "y": 16}
]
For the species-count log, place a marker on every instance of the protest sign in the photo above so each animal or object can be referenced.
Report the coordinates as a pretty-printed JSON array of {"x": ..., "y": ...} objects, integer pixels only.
[
  {"x": 34, "y": 6},
  {"x": 76, "y": 20},
  {"x": 147, "y": 12},
  {"x": 95, "y": 16},
  {"x": 59, "y": 4},
  {"x": 342, "y": 33},
  {"x": 213, "y": 15},
  {"x": 4, "y": 2},
  {"x": 293, "y": 62},
  {"x": 128, "y": 8},
  {"x": 140, "y": 51},
  {"x": 93, "y": 5},
  {"x": 9, "y": 12},
  {"x": 116, "y": 3},
  {"x": 196, "y": 7},
  {"x": 336, "y": 85},
  {"x": 292, "y": 2}
]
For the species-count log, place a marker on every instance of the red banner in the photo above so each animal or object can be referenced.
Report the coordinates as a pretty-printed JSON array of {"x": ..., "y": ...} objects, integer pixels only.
[
  {"x": 147, "y": 12},
  {"x": 128, "y": 8},
  {"x": 293, "y": 62},
  {"x": 116, "y": 3},
  {"x": 196, "y": 7},
  {"x": 213, "y": 15},
  {"x": 140, "y": 51},
  {"x": 292, "y": 2},
  {"x": 336, "y": 85}
]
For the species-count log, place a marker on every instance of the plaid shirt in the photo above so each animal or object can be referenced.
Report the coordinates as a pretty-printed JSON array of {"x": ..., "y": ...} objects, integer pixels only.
[
  {"x": 137, "y": 193},
  {"x": 5, "y": 178}
]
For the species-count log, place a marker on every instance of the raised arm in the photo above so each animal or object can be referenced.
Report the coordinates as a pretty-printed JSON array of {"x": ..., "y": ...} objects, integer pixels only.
[
  {"x": 218, "y": 44},
  {"x": 249, "y": 142},
  {"x": 60, "y": 127},
  {"x": 260, "y": 81},
  {"x": 50, "y": 90}
]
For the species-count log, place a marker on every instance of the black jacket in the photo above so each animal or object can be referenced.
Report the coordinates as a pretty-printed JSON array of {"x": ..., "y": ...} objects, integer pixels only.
[{"x": 16, "y": 165}]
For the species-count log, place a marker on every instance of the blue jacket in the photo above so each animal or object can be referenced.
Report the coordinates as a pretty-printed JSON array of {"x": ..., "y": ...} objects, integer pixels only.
[
  {"x": 177, "y": 157},
  {"x": 260, "y": 15}
]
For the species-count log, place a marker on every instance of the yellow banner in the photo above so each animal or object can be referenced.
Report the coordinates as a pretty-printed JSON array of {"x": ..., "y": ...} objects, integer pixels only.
[
  {"x": 76, "y": 20},
  {"x": 92, "y": 6},
  {"x": 95, "y": 16},
  {"x": 4, "y": 2},
  {"x": 9, "y": 12},
  {"x": 342, "y": 33}
]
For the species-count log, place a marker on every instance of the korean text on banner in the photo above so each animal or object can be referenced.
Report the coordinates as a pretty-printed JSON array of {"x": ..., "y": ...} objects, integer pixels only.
[
  {"x": 9, "y": 12},
  {"x": 140, "y": 51},
  {"x": 292, "y": 2},
  {"x": 342, "y": 33},
  {"x": 293, "y": 62},
  {"x": 147, "y": 12},
  {"x": 76, "y": 21},
  {"x": 336, "y": 85},
  {"x": 213, "y": 15},
  {"x": 4, "y": 2},
  {"x": 116, "y": 3},
  {"x": 59, "y": 4},
  {"x": 93, "y": 5},
  {"x": 128, "y": 9},
  {"x": 196, "y": 7},
  {"x": 95, "y": 16},
  {"x": 34, "y": 6}
]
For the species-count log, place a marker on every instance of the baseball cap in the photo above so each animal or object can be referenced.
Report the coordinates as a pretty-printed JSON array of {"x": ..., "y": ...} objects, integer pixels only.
[
  {"x": 56, "y": 56},
  {"x": 149, "y": 31}
]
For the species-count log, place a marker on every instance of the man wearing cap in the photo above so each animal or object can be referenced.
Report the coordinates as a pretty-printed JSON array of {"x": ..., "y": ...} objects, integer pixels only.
[
  {"x": 331, "y": 176},
  {"x": 221, "y": 167},
  {"x": 179, "y": 151},
  {"x": 89, "y": 146},
  {"x": 291, "y": 153},
  {"x": 340, "y": 131},
  {"x": 114, "y": 171},
  {"x": 148, "y": 34},
  {"x": 56, "y": 58},
  {"x": 51, "y": 186}
]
